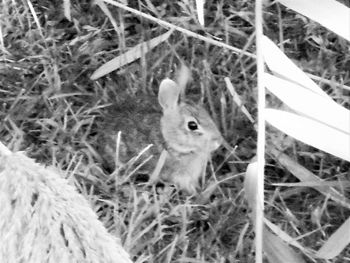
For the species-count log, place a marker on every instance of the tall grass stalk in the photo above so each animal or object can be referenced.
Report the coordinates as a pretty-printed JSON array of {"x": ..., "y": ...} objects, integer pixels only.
[
  {"x": 182, "y": 30},
  {"x": 259, "y": 209}
]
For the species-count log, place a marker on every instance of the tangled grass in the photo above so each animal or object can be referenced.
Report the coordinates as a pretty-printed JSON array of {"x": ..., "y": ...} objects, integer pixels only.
[
  {"x": 44, "y": 219},
  {"x": 53, "y": 111}
]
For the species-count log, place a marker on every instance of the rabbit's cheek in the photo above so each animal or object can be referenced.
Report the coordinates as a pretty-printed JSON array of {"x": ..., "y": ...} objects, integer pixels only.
[
  {"x": 182, "y": 148},
  {"x": 196, "y": 140}
]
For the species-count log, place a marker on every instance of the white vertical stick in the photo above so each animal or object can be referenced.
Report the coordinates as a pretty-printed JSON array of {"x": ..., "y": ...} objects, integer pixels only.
[{"x": 259, "y": 215}]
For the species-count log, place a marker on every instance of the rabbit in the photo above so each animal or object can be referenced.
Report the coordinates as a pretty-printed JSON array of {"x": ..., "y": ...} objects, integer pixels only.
[
  {"x": 181, "y": 128},
  {"x": 189, "y": 133}
]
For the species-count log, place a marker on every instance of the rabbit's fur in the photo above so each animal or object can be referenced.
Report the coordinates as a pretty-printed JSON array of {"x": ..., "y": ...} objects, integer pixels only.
[{"x": 187, "y": 133}]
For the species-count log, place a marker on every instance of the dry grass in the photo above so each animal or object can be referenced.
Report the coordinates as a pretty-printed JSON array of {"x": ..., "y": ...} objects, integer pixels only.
[
  {"x": 45, "y": 220},
  {"x": 53, "y": 111}
]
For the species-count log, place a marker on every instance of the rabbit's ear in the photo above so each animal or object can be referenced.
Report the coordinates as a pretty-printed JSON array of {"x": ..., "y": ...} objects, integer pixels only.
[
  {"x": 168, "y": 95},
  {"x": 183, "y": 76}
]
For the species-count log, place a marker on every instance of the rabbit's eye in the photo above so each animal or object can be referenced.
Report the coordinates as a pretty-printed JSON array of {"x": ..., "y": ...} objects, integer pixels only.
[{"x": 192, "y": 125}]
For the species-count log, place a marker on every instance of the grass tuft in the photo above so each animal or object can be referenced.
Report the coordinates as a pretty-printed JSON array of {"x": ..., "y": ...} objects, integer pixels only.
[{"x": 52, "y": 110}]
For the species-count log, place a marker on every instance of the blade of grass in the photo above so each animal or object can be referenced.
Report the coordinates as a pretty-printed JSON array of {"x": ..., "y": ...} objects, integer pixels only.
[
  {"x": 130, "y": 56},
  {"x": 274, "y": 58},
  {"x": 327, "y": 81},
  {"x": 180, "y": 29},
  {"x": 309, "y": 103},
  {"x": 311, "y": 132},
  {"x": 336, "y": 243},
  {"x": 250, "y": 185},
  {"x": 329, "y": 13},
  {"x": 283, "y": 236},
  {"x": 341, "y": 184},
  {"x": 66, "y": 9},
  {"x": 105, "y": 10},
  {"x": 279, "y": 251},
  {"x": 36, "y": 19},
  {"x": 273, "y": 245},
  {"x": 304, "y": 175},
  {"x": 237, "y": 100},
  {"x": 200, "y": 11}
]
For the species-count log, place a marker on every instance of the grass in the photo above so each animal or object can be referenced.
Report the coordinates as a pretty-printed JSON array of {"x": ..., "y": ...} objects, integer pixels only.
[{"x": 53, "y": 111}]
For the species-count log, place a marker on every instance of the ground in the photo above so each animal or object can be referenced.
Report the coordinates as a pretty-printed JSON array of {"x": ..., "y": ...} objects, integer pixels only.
[{"x": 53, "y": 111}]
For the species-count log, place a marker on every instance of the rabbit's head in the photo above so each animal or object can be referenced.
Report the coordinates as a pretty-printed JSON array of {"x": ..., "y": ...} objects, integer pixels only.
[{"x": 187, "y": 128}]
